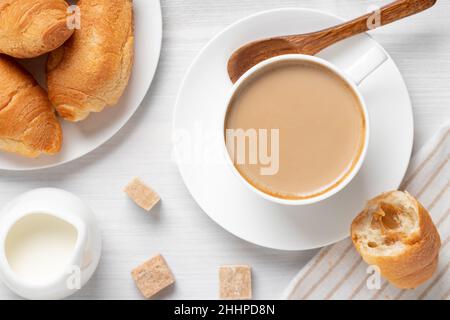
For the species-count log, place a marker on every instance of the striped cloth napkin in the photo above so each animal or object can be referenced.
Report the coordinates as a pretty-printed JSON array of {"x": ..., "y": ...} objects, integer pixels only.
[{"x": 338, "y": 272}]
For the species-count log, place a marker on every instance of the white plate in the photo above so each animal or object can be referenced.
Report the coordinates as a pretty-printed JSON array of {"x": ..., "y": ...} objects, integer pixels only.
[
  {"x": 228, "y": 202},
  {"x": 84, "y": 137}
]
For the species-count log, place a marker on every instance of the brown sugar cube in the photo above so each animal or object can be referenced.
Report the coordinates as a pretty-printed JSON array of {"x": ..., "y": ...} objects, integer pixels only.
[
  {"x": 142, "y": 194},
  {"x": 235, "y": 282},
  {"x": 153, "y": 276}
]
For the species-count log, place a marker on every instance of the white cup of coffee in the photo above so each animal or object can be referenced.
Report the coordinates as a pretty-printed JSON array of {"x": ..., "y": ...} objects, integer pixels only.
[{"x": 296, "y": 127}]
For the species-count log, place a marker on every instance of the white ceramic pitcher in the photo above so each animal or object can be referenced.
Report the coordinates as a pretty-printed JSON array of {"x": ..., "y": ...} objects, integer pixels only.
[{"x": 84, "y": 257}]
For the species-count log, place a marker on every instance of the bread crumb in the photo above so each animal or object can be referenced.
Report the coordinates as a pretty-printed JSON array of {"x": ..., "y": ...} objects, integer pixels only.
[
  {"x": 141, "y": 194},
  {"x": 153, "y": 276},
  {"x": 235, "y": 282}
]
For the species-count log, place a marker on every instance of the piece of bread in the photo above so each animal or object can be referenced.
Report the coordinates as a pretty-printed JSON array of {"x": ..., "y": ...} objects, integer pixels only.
[
  {"x": 92, "y": 69},
  {"x": 153, "y": 276},
  {"x": 396, "y": 233},
  {"x": 30, "y": 28},
  {"x": 28, "y": 125}
]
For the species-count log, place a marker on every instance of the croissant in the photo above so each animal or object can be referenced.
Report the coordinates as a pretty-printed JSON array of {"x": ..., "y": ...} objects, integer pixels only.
[
  {"x": 28, "y": 125},
  {"x": 396, "y": 233},
  {"x": 92, "y": 69},
  {"x": 29, "y": 28}
]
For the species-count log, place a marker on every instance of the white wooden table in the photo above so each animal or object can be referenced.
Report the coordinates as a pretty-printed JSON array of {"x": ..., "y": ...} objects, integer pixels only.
[{"x": 194, "y": 245}]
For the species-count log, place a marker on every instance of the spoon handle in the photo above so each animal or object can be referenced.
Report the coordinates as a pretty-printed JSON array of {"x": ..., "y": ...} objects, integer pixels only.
[{"x": 392, "y": 12}]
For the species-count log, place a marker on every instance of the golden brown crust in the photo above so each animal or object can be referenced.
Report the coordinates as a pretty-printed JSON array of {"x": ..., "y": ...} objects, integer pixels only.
[
  {"x": 92, "y": 69},
  {"x": 28, "y": 125},
  {"x": 30, "y": 28},
  {"x": 415, "y": 260}
]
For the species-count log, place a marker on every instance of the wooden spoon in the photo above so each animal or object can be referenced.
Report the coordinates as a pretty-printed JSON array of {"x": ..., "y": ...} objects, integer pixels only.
[{"x": 253, "y": 53}]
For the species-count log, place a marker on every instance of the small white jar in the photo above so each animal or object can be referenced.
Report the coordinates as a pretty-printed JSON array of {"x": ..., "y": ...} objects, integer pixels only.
[{"x": 83, "y": 257}]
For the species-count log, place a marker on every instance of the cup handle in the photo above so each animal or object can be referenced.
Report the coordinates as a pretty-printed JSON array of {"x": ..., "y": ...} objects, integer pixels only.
[{"x": 366, "y": 65}]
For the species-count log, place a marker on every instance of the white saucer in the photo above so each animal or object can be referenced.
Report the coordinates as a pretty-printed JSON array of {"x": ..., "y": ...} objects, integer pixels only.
[
  {"x": 227, "y": 201},
  {"x": 84, "y": 137}
]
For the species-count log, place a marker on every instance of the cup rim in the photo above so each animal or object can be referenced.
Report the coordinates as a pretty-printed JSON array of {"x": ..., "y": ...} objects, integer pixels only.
[{"x": 351, "y": 174}]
